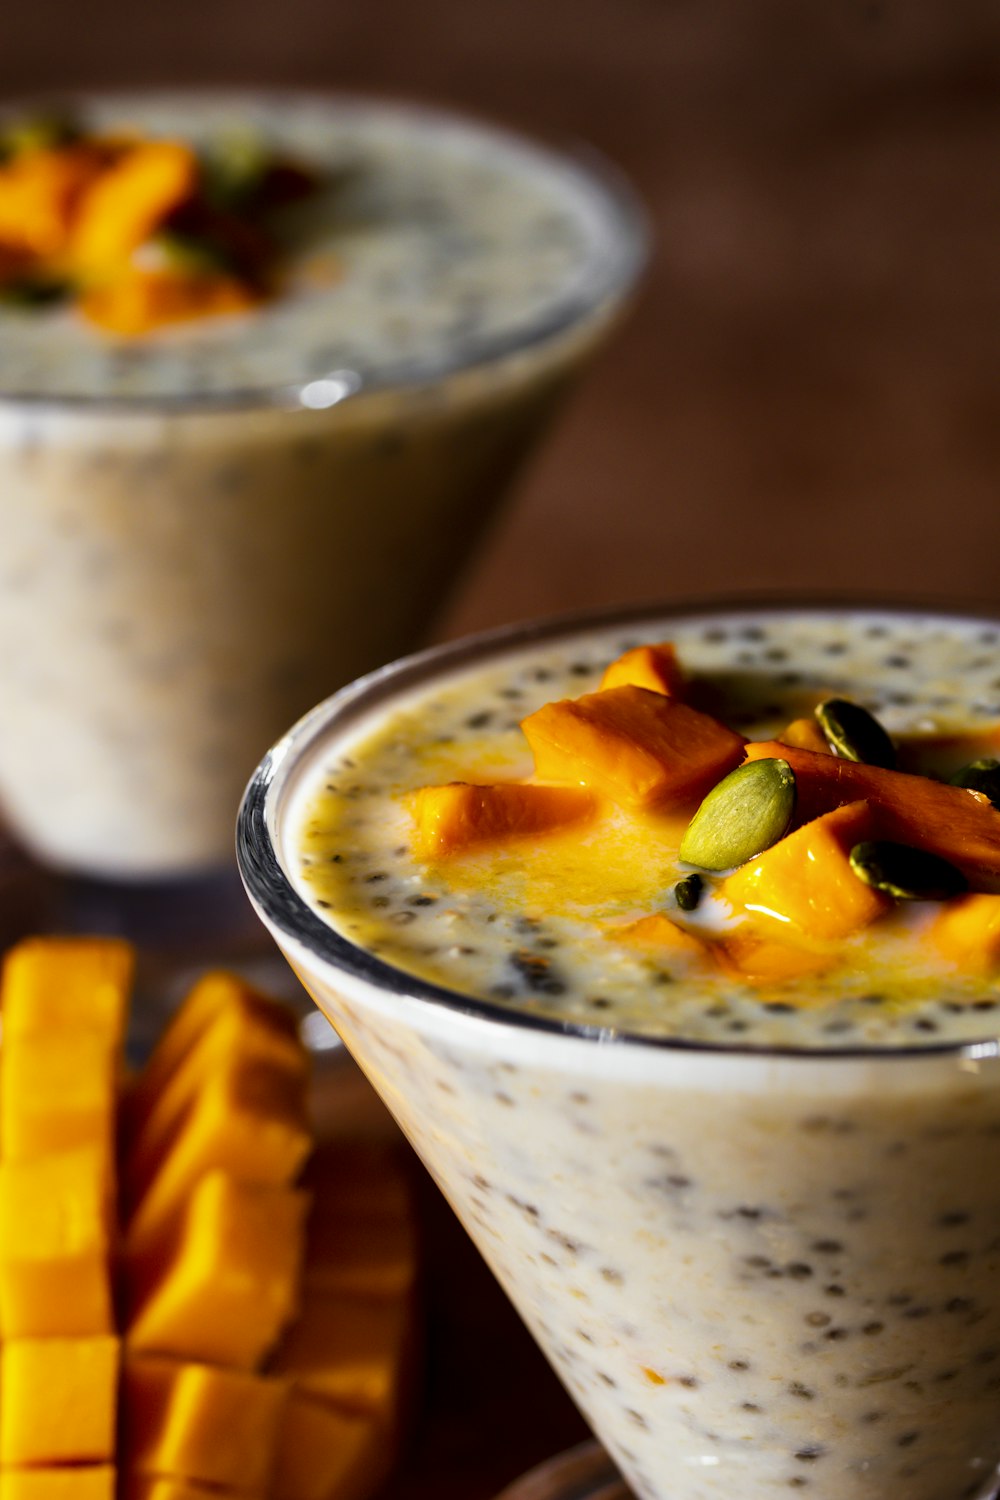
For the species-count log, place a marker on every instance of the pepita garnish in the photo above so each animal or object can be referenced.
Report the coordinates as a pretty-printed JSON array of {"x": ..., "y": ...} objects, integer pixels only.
[
  {"x": 981, "y": 776},
  {"x": 905, "y": 873},
  {"x": 855, "y": 734},
  {"x": 688, "y": 892},
  {"x": 747, "y": 812}
]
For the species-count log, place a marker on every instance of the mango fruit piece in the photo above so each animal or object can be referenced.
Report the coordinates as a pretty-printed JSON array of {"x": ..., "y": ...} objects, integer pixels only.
[
  {"x": 454, "y": 818},
  {"x": 67, "y": 984},
  {"x": 323, "y": 1453},
  {"x": 189, "y": 1421},
  {"x": 966, "y": 931},
  {"x": 122, "y": 207},
  {"x": 80, "y": 1482},
  {"x": 225, "y": 1288},
  {"x": 135, "y": 300},
  {"x": 249, "y": 1119},
  {"x": 164, "y": 1487},
  {"x": 59, "y": 1401},
  {"x": 959, "y": 825},
  {"x": 56, "y": 1241},
  {"x": 57, "y": 1090},
  {"x": 348, "y": 1351},
  {"x": 39, "y": 194},
  {"x": 637, "y": 747},
  {"x": 805, "y": 734},
  {"x": 653, "y": 667},
  {"x": 658, "y": 931}
]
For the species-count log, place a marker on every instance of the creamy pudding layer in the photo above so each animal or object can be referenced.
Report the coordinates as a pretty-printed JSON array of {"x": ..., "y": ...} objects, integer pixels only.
[{"x": 536, "y": 926}]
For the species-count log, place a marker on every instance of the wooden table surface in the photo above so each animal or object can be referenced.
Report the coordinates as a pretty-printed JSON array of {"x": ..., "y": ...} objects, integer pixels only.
[{"x": 806, "y": 394}]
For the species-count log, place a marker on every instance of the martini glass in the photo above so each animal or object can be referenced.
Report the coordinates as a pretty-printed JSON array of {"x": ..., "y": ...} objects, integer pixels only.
[{"x": 757, "y": 1270}]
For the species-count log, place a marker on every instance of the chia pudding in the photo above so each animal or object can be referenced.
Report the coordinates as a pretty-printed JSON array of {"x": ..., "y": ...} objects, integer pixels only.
[
  {"x": 207, "y": 528},
  {"x": 755, "y": 1228}
]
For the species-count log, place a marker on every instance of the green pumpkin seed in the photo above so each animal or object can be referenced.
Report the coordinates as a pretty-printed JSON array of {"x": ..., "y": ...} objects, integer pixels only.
[
  {"x": 855, "y": 734},
  {"x": 904, "y": 873},
  {"x": 747, "y": 812},
  {"x": 688, "y": 892},
  {"x": 981, "y": 776}
]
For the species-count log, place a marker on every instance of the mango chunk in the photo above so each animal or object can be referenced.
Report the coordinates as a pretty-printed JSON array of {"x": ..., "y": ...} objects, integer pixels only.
[
  {"x": 248, "y": 1119},
  {"x": 653, "y": 667},
  {"x": 55, "y": 1245},
  {"x": 966, "y": 931},
  {"x": 59, "y": 1401},
  {"x": 57, "y": 1090},
  {"x": 347, "y": 1350},
  {"x": 55, "y": 985},
  {"x": 324, "y": 1454},
  {"x": 215, "y": 995},
  {"x": 39, "y": 191},
  {"x": 805, "y": 734},
  {"x": 451, "y": 819},
  {"x": 76, "y": 1483},
  {"x": 959, "y": 825},
  {"x": 226, "y": 1287},
  {"x": 758, "y": 958},
  {"x": 637, "y": 747},
  {"x": 942, "y": 753},
  {"x": 160, "y": 1487},
  {"x": 187, "y": 1421},
  {"x": 658, "y": 931},
  {"x": 805, "y": 883},
  {"x": 241, "y": 1035},
  {"x": 123, "y": 206}
]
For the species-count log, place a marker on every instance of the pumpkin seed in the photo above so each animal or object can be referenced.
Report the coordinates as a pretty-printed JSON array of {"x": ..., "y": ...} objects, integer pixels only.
[
  {"x": 981, "y": 776},
  {"x": 747, "y": 812},
  {"x": 687, "y": 892},
  {"x": 855, "y": 734},
  {"x": 906, "y": 874}
]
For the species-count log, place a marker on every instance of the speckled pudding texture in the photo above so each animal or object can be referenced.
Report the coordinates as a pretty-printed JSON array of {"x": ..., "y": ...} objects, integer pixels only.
[
  {"x": 759, "y": 1237},
  {"x": 207, "y": 529}
]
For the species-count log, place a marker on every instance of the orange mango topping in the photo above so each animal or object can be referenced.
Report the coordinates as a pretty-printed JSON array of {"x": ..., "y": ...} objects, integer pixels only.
[
  {"x": 959, "y": 825},
  {"x": 138, "y": 300},
  {"x": 805, "y": 734},
  {"x": 454, "y": 818},
  {"x": 125, "y": 204},
  {"x": 652, "y": 667},
  {"x": 658, "y": 931},
  {"x": 59, "y": 1401},
  {"x": 637, "y": 747},
  {"x": 966, "y": 931}
]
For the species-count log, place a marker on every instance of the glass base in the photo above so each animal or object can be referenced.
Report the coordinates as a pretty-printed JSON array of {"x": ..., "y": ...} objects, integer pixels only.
[{"x": 582, "y": 1473}]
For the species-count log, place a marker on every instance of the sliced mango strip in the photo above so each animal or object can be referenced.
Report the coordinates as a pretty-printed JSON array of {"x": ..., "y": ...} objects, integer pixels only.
[
  {"x": 77, "y": 1483},
  {"x": 967, "y": 932},
  {"x": 804, "y": 884},
  {"x": 805, "y": 734},
  {"x": 653, "y": 667},
  {"x": 59, "y": 1401},
  {"x": 349, "y": 1351},
  {"x": 658, "y": 931},
  {"x": 451, "y": 819},
  {"x": 55, "y": 1277},
  {"x": 123, "y": 206},
  {"x": 57, "y": 1090},
  {"x": 191, "y": 1422},
  {"x": 324, "y": 1453},
  {"x": 137, "y": 300},
  {"x": 959, "y": 825},
  {"x": 941, "y": 754},
  {"x": 229, "y": 1284},
  {"x": 67, "y": 984},
  {"x": 757, "y": 958},
  {"x": 637, "y": 747},
  {"x": 39, "y": 193},
  {"x": 249, "y": 1120}
]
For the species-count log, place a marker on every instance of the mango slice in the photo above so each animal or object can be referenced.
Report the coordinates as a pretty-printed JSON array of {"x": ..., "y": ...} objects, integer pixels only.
[
  {"x": 658, "y": 931},
  {"x": 634, "y": 746},
  {"x": 225, "y": 1289},
  {"x": 77, "y": 1483},
  {"x": 55, "y": 1273},
  {"x": 55, "y": 985},
  {"x": 805, "y": 734},
  {"x": 126, "y": 203},
  {"x": 59, "y": 1401},
  {"x": 966, "y": 931},
  {"x": 57, "y": 1090},
  {"x": 959, "y": 825},
  {"x": 348, "y": 1351},
  {"x": 451, "y": 819},
  {"x": 653, "y": 667},
  {"x": 249, "y": 1119},
  {"x": 324, "y": 1453},
  {"x": 189, "y": 1421}
]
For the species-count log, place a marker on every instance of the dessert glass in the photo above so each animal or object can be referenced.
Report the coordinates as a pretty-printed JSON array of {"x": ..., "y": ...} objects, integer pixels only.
[
  {"x": 189, "y": 562},
  {"x": 755, "y": 1269}
]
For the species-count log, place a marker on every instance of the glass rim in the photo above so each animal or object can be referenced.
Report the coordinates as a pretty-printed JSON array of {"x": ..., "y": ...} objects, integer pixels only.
[
  {"x": 274, "y": 895},
  {"x": 615, "y": 276}
]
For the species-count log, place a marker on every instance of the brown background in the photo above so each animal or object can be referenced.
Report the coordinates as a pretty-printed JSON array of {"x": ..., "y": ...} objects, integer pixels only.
[{"x": 807, "y": 393}]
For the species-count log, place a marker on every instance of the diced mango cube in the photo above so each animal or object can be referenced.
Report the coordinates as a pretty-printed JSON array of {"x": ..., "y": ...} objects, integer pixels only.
[
  {"x": 128, "y": 201},
  {"x": 637, "y": 747},
  {"x": 324, "y": 1453},
  {"x": 658, "y": 931},
  {"x": 967, "y": 932},
  {"x": 67, "y": 984},
  {"x": 250, "y": 1120},
  {"x": 57, "y": 1090},
  {"x": 193, "y": 1422},
  {"x": 805, "y": 734},
  {"x": 59, "y": 1401},
  {"x": 348, "y": 1350},
  {"x": 69, "y": 1483},
  {"x": 226, "y": 1287},
  {"x": 653, "y": 667},
  {"x": 55, "y": 1245},
  {"x": 457, "y": 817}
]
